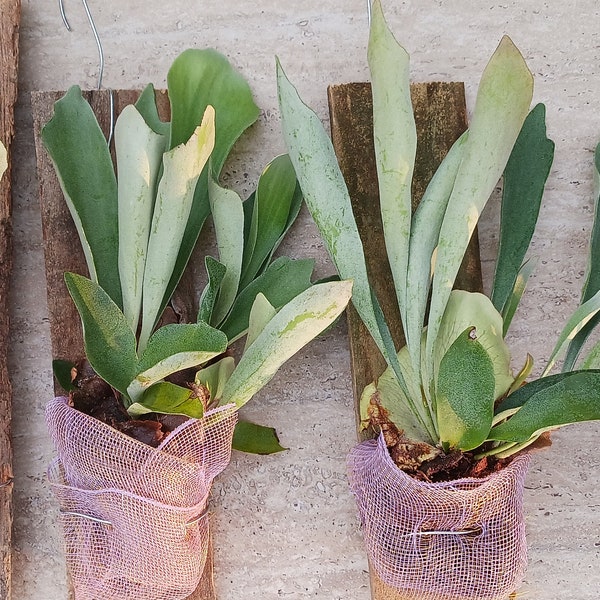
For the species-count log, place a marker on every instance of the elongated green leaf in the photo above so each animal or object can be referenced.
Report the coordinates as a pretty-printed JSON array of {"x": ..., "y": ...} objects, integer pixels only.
[
  {"x": 255, "y": 439},
  {"x": 139, "y": 157},
  {"x": 465, "y": 393},
  {"x": 228, "y": 218},
  {"x": 424, "y": 235},
  {"x": 173, "y": 348},
  {"x": 197, "y": 79},
  {"x": 523, "y": 187},
  {"x": 182, "y": 167},
  {"x": 167, "y": 398},
  {"x": 512, "y": 303},
  {"x": 395, "y": 136},
  {"x": 592, "y": 278},
  {"x": 558, "y": 400},
  {"x": 272, "y": 205},
  {"x": 109, "y": 341},
  {"x": 85, "y": 171},
  {"x": 215, "y": 376},
  {"x": 3, "y": 159},
  {"x": 216, "y": 272},
  {"x": 261, "y": 313},
  {"x": 146, "y": 105},
  {"x": 283, "y": 280},
  {"x": 296, "y": 324},
  {"x": 503, "y": 100},
  {"x": 326, "y": 196},
  {"x": 575, "y": 324}
]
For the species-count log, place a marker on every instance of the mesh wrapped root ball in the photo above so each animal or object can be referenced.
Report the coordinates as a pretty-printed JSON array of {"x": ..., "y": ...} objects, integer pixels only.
[
  {"x": 134, "y": 517},
  {"x": 456, "y": 540}
]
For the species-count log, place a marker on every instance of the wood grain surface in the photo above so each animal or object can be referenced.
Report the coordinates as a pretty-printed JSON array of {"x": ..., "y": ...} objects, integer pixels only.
[
  {"x": 63, "y": 252},
  {"x": 440, "y": 115},
  {"x": 10, "y": 16}
]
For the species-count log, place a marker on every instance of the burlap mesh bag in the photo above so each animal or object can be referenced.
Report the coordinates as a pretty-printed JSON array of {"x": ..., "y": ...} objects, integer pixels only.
[
  {"x": 458, "y": 540},
  {"x": 134, "y": 517}
]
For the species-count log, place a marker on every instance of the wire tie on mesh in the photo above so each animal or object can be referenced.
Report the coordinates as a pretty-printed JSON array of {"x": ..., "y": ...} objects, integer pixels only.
[
  {"x": 84, "y": 516},
  {"x": 7, "y": 482},
  {"x": 198, "y": 518},
  {"x": 459, "y": 532}
]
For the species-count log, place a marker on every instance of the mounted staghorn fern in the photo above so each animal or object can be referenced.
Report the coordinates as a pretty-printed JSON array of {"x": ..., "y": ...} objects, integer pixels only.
[
  {"x": 451, "y": 386},
  {"x": 139, "y": 226}
]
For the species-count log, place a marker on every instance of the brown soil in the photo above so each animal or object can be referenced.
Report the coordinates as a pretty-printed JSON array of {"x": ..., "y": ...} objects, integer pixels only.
[
  {"x": 423, "y": 461},
  {"x": 94, "y": 397}
]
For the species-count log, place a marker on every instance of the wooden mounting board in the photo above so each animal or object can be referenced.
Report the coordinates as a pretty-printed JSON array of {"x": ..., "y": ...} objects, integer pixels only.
[
  {"x": 10, "y": 16},
  {"x": 440, "y": 115},
  {"x": 63, "y": 252}
]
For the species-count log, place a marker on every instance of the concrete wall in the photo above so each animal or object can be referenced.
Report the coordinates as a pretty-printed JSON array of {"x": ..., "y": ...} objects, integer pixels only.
[{"x": 285, "y": 526}]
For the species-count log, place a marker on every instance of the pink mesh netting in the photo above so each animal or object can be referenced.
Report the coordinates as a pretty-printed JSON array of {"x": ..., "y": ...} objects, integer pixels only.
[
  {"x": 134, "y": 517},
  {"x": 458, "y": 540}
]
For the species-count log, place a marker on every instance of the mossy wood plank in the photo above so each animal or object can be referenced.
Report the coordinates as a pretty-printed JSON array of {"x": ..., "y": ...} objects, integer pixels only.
[
  {"x": 10, "y": 17},
  {"x": 63, "y": 252},
  {"x": 440, "y": 115}
]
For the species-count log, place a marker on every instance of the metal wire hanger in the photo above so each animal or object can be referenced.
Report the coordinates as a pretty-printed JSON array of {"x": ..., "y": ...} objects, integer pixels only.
[{"x": 100, "y": 58}]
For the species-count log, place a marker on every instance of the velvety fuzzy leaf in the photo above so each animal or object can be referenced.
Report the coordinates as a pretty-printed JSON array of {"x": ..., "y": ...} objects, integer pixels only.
[
  {"x": 85, "y": 171},
  {"x": 283, "y": 280},
  {"x": 167, "y": 398},
  {"x": 109, "y": 341},
  {"x": 524, "y": 179},
  {"x": 395, "y": 136},
  {"x": 255, "y": 439},
  {"x": 173, "y": 348},
  {"x": 296, "y": 324},
  {"x": 465, "y": 393},
  {"x": 557, "y": 400}
]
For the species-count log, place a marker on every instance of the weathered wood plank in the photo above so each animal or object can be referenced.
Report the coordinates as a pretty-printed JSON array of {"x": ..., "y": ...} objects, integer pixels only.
[
  {"x": 440, "y": 115},
  {"x": 10, "y": 16},
  {"x": 63, "y": 252}
]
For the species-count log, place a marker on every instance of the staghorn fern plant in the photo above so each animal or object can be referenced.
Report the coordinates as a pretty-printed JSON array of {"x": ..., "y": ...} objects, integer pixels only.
[
  {"x": 138, "y": 228},
  {"x": 450, "y": 388}
]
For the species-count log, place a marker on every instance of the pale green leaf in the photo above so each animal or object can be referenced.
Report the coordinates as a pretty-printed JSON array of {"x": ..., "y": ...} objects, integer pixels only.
[
  {"x": 228, "y": 218},
  {"x": 3, "y": 160},
  {"x": 424, "y": 235},
  {"x": 182, "y": 167},
  {"x": 296, "y": 324},
  {"x": 503, "y": 101},
  {"x": 395, "y": 137},
  {"x": 85, "y": 172},
  {"x": 173, "y": 348},
  {"x": 108, "y": 339},
  {"x": 261, "y": 313},
  {"x": 465, "y": 393},
  {"x": 167, "y": 398},
  {"x": 139, "y": 157}
]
